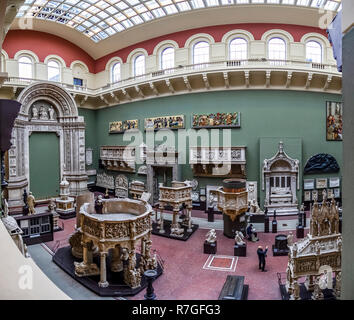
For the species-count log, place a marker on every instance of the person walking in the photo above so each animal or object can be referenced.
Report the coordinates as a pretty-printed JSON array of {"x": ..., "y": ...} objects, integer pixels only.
[{"x": 261, "y": 257}]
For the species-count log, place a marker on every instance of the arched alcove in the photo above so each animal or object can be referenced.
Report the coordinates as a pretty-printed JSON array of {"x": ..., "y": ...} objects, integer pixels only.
[{"x": 47, "y": 108}]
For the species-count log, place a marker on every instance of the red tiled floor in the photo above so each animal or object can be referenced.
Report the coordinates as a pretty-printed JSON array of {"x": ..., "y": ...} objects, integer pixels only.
[{"x": 184, "y": 276}]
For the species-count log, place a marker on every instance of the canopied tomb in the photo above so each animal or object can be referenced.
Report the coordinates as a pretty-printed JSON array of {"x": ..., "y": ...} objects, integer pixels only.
[
  {"x": 280, "y": 182},
  {"x": 318, "y": 252},
  {"x": 178, "y": 196}
]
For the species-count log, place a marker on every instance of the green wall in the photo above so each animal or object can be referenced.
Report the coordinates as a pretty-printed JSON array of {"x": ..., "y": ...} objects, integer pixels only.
[
  {"x": 44, "y": 159},
  {"x": 264, "y": 114}
]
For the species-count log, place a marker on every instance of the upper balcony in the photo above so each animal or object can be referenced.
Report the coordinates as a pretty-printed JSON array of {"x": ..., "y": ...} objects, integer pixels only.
[{"x": 221, "y": 75}]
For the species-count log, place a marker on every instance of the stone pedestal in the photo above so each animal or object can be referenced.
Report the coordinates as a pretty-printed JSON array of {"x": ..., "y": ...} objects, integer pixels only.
[
  {"x": 266, "y": 224},
  {"x": 150, "y": 276},
  {"x": 240, "y": 250},
  {"x": 210, "y": 214},
  {"x": 280, "y": 248},
  {"x": 210, "y": 248},
  {"x": 299, "y": 232},
  {"x": 274, "y": 226}
]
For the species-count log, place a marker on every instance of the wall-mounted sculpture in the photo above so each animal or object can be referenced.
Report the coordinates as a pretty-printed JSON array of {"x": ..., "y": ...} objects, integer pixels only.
[
  {"x": 280, "y": 182},
  {"x": 121, "y": 186},
  {"x": 218, "y": 161},
  {"x": 105, "y": 180},
  {"x": 59, "y": 114},
  {"x": 118, "y": 158},
  {"x": 321, "y": 163}
]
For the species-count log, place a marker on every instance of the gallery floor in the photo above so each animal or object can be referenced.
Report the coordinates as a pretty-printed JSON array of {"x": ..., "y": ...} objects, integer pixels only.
[{"x": 192, "y": 275}]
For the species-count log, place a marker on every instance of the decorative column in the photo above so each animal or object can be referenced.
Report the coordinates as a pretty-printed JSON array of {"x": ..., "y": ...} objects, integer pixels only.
[
  {"x": 161, "y": 224},
  {"x": 189, "y": 210},
  {"x": 293, "y": 188},
  {"x": 103, "y": 283},
  {"x": 296, "y": 292}
]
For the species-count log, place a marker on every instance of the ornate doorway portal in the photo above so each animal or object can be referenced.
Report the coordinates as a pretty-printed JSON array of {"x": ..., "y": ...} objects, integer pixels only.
[{"x": 47, "y": 107}]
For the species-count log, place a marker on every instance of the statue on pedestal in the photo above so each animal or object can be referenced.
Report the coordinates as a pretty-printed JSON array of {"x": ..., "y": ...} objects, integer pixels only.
[
  {"x": 99, "y": 204},
  {"x": 106, "y": 195},
  {"x": 239, "y": 238},
  {"x": 31, "y": 202},
  {"x": 290, "y": 239},
  {"x": 211, "y": 236}
]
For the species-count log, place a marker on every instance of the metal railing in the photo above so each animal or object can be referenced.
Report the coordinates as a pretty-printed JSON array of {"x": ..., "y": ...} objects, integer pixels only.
[{"x": 223, "y": 65}]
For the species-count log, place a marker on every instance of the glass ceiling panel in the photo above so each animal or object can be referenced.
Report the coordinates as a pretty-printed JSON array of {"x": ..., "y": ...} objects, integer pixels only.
[{"x": 100, "y": 19}]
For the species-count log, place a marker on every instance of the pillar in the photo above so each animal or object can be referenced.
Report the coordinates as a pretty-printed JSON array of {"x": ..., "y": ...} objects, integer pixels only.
[
  {"x": 103, "y": 283},
  {"x": 162, "y": 230},
  {"x": 189, "y": 210},
  {"x": 348, "y": 151}
]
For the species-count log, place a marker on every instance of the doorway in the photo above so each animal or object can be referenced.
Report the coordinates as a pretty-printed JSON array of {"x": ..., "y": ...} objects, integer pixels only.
[{"x": 44, "y": 164}]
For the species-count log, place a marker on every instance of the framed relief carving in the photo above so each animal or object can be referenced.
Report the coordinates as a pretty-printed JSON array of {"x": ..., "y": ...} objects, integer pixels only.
[
  {"x": 336, "y": 192},
  {"x": 334, "y": 121},
  {"x": 330, "y": 193},
  {"x": 321, "y": 183},
  {"x": 164, "y": 122},
  {"x": 334, "y": 182},
  {"x": 122, "y": 126},
  {"x": 309, "y": 184},
  {"x": 307, "y": 196},
  {"x": 216, "y": 120},
  {"x": 314, "y": 195}
]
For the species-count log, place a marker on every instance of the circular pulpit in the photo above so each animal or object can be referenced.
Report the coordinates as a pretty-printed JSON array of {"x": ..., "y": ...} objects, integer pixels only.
[{"x": 232, "y": 201}]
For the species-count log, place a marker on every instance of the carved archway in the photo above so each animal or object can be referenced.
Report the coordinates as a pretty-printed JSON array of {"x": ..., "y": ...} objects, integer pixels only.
[{"x": 58, "y": 113}]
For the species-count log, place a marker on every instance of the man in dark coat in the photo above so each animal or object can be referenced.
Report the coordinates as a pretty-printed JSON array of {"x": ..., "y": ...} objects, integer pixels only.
[{"x": 261, "y": 257}]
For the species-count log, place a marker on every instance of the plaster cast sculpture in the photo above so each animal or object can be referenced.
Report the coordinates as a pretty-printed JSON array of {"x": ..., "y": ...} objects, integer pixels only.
[
  {"x": 51, "y": 207},
  {"x": 177, "y": 195},
  {"x": 239, "y": 238},
  {"x": 13, "y": 228},
  {"x": 68, "y": 126},
  {"x": 31, "y": 202},
  {"x": 122, "y": 224},
  {"x": 210, "y": 237},
  {"x": 319, "y": 253},
  {"x": 65, "y": 204},
  {"x": 137, "y": 188},
  {"x": 280, "y": 176},
  {"x": 290, "y": 239}
]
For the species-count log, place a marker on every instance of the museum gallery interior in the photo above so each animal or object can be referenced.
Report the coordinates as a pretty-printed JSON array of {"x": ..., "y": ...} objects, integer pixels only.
[{"x": 176, "y": 149}]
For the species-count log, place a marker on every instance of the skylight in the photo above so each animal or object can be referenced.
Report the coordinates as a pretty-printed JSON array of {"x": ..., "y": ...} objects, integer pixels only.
[{"x": 100, "y": 19}]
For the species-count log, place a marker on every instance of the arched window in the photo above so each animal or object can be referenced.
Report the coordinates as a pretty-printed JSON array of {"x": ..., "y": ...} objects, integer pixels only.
[
  {"x": 201, "y": 52},
  {"x": 25, "y": 67},
  {"x": 313, "y": 52},
  {"x": 115, "y": 76},
  {"x": 167, "y": 58},
  {"x": 238, "y": 49},
  {"x": 139, "y": 65},
  {"x": 53, "y": 71},
  {"x": 276, "y": 49}
]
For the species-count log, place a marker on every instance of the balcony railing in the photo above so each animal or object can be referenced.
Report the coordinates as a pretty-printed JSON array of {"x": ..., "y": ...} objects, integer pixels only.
[{"x": 225, "y": 65}]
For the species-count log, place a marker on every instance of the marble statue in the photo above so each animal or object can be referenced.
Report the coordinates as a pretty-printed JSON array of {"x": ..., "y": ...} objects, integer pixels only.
[
  {"x": 51, "y": 113},
  {"x": 34, "y": 113},
  {"x": 99, "y": 204},
  {"x": 211, "y": 236},
  {"x": 43, "y": 114},
  {"x": 239, "y": 238},
  {"x": 290, "y": 239},
  {"x": 31, "y": 202}
]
